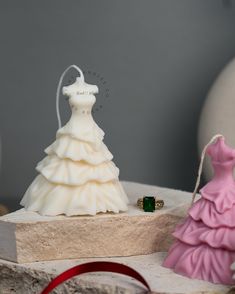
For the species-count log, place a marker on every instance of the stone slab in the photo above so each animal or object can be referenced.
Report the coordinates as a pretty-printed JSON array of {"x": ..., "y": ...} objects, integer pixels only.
[
  {"x": 31, "y": 278},
  {"x": 28, "y": 237}
]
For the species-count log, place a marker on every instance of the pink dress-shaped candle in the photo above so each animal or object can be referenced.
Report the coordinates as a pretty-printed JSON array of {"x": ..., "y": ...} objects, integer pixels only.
[{"x": 205, "y": 245}]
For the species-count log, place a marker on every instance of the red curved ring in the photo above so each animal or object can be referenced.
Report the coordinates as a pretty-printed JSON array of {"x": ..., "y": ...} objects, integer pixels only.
[{"x": 98, "y": 266}]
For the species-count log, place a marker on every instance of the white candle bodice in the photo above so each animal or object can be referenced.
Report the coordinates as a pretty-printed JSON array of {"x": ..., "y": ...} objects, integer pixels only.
[
  {"x": 81, "y": 105},
  {"x": 81, "y": 124}
]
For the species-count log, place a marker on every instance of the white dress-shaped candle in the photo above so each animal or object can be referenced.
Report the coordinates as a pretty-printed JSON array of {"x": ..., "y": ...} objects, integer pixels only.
[{"x": 77, "y": 177}]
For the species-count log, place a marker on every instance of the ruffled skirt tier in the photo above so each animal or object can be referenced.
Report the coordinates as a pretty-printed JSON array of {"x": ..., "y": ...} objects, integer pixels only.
[
  {"x": 195, "y": 233},
  {"x": 201, "y": 262},
  {"x": 66, "y": 147},
  {"x": 76, "y": 173},
  {"x": 53, "y": 199},
  {"x": 205, "y": 211},
  {"x": 223, "y": 199}
]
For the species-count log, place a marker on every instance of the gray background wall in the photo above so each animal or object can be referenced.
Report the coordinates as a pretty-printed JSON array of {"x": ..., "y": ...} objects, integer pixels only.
[{"x": 157, "y": 57}]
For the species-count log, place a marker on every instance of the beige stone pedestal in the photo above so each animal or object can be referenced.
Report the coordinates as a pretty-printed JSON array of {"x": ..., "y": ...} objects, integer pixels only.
[
  {"x": 31, "y": 278},
  {"x": 28, "y": 237}
]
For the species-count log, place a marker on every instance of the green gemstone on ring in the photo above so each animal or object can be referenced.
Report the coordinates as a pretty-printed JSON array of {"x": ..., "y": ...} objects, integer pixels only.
[{"x": 149, "y": 204}]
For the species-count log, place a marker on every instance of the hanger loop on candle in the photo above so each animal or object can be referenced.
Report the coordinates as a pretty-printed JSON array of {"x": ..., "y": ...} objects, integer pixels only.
[
  {"x": 201, "y": 165},
  {"x": 59, "y": 88}
]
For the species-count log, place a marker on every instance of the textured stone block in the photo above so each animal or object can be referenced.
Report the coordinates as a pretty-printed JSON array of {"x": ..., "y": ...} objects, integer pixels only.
[
  {"x": 28, "y": 237},
  {"x": 31, "y": 278}
]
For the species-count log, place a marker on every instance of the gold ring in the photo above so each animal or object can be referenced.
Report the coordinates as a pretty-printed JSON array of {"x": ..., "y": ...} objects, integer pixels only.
[{"x": 150, "y": 203}]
